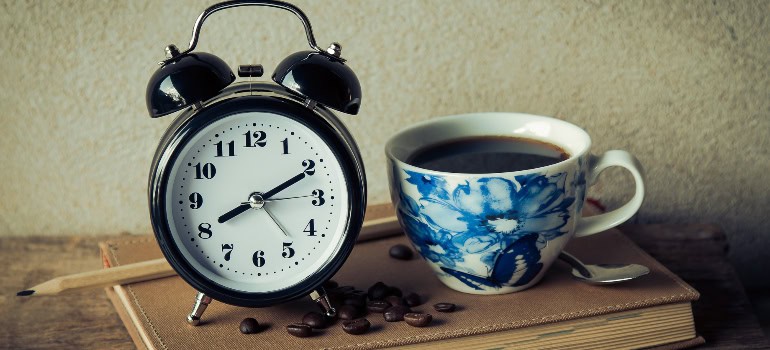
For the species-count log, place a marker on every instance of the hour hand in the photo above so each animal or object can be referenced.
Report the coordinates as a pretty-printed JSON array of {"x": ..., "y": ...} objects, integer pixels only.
[
  {"x": 234, "y": 212},
  {"x": 256, "y": 201}
]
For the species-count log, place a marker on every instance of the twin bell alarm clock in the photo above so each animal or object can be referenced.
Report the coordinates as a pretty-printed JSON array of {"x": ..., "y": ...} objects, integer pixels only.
[{"x": 257, "y": 191}]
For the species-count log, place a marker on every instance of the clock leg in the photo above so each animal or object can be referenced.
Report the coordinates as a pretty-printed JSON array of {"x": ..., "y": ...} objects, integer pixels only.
[
  {"x": 201, "y": 302},
  {"x": 320, "y": 297}
]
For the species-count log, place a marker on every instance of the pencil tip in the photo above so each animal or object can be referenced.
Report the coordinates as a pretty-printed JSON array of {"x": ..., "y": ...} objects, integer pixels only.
[{"x": 25, "y": 293}]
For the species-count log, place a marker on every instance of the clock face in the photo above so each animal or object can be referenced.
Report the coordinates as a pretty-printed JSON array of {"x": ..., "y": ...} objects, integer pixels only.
[{"x": 256, "y": 202}]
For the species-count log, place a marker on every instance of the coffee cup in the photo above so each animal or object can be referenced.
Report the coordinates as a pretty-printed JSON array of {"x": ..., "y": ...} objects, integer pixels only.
[{"x": 490, "y": 199}]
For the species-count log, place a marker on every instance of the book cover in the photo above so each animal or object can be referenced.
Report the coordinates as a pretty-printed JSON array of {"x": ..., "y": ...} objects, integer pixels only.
[{"x": 559, "y": 312}]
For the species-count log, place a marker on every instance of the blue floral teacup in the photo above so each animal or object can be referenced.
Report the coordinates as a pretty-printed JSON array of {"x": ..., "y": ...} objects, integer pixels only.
[{"x": 498, "y": 233}]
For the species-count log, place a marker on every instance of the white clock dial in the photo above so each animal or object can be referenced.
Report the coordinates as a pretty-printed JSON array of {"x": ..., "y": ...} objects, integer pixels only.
[{"x": 257, "y": 246}]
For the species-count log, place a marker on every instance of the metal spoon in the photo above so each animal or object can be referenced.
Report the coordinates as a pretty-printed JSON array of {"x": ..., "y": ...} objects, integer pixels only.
[{"x": 603, "y": 273}]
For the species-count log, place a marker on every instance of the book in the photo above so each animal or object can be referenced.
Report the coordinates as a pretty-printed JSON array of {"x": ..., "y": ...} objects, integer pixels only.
[{"x": 560, "y": 312}]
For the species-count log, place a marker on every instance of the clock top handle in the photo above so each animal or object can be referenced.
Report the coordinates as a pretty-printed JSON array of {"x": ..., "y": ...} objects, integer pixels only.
[
  {"x": 237, "y": 3},
  {"x": 188, "y": 78}
]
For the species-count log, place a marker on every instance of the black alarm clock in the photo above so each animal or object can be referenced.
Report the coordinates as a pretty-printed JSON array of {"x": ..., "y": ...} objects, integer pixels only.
[{"x": 257, "y": 191}]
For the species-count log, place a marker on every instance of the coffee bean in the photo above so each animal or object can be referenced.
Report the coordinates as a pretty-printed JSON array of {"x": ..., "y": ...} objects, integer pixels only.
[
  {"x": 314, "y": 320},
  {"x": 378, "y": 306},
  {"x": 331, "y": 284},
  {"x": 336, "y": 295},
  {"x": 378, "y": 291},
  {"x": 412, "y": 299},
  {"x": 395, "y": 313},
  {"x": 394, "y": 300},
  {"x": 444, "y": 307},
  {"x": 418, "y": 319},
  {"x": 348, "y": 312},
  {"x": 395, "y": 291},
  {"x": 249, "y": 326},
  {"x": 400, "y": 252},
  {"x": 359, "y": 301},
  {"x": 299, "y": 330},
  {"x": 357, "y": 326},
  {"x": 341, "y": 290},
  {"x": 356, "y": 293}
]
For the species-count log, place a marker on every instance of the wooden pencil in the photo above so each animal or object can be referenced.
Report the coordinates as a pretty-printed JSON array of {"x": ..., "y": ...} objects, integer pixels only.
[
  {"x": 143, "y": 271},
  {"x": 159, "y": 268}
]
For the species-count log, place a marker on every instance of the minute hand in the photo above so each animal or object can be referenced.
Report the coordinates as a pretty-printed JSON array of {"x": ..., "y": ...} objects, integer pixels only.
[
  {"x": 246, "y": 206},
  {"x": 284, "y": 185}
]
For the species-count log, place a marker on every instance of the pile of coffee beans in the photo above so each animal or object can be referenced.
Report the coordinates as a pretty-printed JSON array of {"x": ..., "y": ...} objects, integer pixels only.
[
  {"x": 379, "y": 299},
  {"x": 354, "y": 304}
]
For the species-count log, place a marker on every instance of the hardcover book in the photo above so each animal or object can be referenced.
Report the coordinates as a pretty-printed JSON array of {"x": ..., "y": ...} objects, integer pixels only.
[{"x": 560, "y": 312}]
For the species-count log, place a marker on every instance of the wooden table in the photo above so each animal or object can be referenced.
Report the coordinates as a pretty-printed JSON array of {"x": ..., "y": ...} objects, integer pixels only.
[{"x": 86, "y": 319}]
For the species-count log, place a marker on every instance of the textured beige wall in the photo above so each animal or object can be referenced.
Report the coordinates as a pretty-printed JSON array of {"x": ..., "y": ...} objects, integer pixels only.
[{"x": 682, "y": 84}]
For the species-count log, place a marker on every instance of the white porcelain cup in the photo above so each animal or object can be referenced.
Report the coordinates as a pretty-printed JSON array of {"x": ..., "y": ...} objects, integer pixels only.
[{"x": 498, "y": 233}]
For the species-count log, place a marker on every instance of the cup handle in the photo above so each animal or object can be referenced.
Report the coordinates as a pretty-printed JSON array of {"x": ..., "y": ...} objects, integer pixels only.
[{"x": 598, "y": 223}]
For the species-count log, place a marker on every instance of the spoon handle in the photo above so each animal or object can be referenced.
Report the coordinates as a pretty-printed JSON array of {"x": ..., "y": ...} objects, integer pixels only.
[{"x": 575, "y": 263}]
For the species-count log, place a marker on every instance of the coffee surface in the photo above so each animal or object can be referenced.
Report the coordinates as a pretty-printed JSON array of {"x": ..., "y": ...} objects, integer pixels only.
[{"x": 487, "y": 154}]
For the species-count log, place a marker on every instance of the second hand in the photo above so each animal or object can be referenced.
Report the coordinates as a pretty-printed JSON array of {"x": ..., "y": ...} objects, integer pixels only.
[
  {"x": 280, "y": 199},
  {"x": 276, "y": 222}
]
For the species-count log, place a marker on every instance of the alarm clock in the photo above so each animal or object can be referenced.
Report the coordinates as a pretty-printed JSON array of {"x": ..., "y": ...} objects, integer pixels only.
[{"x": 257, "y": 190}]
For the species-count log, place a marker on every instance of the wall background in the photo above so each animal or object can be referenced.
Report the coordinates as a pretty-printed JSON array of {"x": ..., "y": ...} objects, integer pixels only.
[{"x": 684, "y": 85}]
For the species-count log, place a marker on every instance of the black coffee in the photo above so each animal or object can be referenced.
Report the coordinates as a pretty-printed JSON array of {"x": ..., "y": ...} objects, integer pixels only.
[{"x": 487, "y": 154}]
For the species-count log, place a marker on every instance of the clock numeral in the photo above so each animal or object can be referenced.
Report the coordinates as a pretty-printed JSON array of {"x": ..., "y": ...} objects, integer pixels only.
[
  {"x": 207, "y": 171},
  {"x": 319, "y": 198},
  {"x": 309, "y": 166},
  {"x": 288, "y": 251},
  {"x": 258, "y": 258},
  {"x": 204, "y": 231},
  {"x": 285, "y": 143},
  {"x": 255, "y": 139},
  {"x": 196, "y": 200},
  {"x": 229, "y": 249},
  {"x": 310, "y": 228},
  {"x": 230, "y": 149}
]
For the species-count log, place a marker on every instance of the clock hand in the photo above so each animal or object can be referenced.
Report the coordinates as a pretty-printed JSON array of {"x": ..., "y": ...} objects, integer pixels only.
[
  {"x": 284, "y": 185},
  {"x": 260, "y": 202},
  {"x": 256, "y": 201},
  {"x": 284, "y": 198},
  {"x": 234, "y": 212},
  {"x": 276, "y": 222}
]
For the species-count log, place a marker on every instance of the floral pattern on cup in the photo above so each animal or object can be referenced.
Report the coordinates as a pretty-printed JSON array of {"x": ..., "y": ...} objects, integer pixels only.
[{"x": 486, "y": 232}]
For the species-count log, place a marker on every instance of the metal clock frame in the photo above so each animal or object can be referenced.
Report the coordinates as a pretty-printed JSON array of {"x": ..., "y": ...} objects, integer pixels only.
[{"x": 265, "y": 97}]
